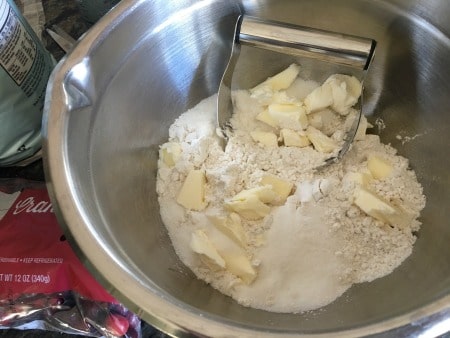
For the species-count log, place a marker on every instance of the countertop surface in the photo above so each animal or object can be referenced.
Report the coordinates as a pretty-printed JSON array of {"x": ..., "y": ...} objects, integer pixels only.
[{"x": 66, "y": 14}]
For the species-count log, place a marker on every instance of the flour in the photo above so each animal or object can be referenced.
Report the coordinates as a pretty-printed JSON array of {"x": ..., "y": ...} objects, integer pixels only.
[
  {"x": 308, "y": 251},
  {"x": 406, "y": 139}
]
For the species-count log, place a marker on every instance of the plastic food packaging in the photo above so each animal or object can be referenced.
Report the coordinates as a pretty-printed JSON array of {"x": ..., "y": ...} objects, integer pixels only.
[
  {"x": 25, "y": 67},
  {"x": 43, "y": 285}
]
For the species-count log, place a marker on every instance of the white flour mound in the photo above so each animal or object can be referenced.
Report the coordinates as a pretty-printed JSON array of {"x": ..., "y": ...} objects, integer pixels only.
[{"x": 306, "y": 252}]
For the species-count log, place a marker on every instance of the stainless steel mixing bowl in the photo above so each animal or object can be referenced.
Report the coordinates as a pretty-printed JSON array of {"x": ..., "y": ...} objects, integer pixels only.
[{"x": 109, "y": 106}]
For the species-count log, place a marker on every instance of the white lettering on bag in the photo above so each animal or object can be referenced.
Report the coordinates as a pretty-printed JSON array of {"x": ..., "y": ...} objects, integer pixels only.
[{"x": 29, "y": 205}]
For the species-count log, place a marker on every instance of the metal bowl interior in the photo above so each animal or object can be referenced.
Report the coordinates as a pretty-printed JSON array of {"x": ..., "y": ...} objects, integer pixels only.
[{"x": 110, "y": 104}]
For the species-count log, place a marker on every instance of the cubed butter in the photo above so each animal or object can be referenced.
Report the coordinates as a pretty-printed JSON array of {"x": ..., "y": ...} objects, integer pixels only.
[
  {"x": 281, "y": 80},
  {"x": 170, "y": 152},
  {"x": 234, "y": 255},
  {"x": 380, "y": 209},
  {"x": 281, "y": 187},
  {"x": 288, "y": 116},
  {"x": 266, "y": 138},
  {"x": 265, "y": 117},
  {"x": 264, "y": 194},
  {"x": 320, "y": 98},
  {"x": 240, "y": 266},
  {"x": 250, "y": 208},
  {"x": 346, "y": 91},
  {"x": 291, "y": 138},
  {"x": 316, "y": 120},
  {"x": 201, "y": 244},
  {"x": 379, "y": 167},
  {"x": 192, "y": 193},
  {"x": 231, "y": 227},
  {"x": 320, "y": 141}
]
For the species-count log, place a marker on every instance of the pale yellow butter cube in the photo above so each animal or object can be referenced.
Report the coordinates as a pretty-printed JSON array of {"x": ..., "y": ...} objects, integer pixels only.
[
  {"x": 346, "y": 91},
  {"x": 316, "y": 120},
  {"x": 381, "y": 209},
  {"x": 281, "y": 80},
  {"x": 288, "y": 116},
  {"x": 248, "y": 205},
  {"x": 265, "y": 117},
  {"x": 264, "y": 194},
  {"x": 373, "y": 205},
  {"x": 201, "y": 244},
  {"x": 266, "y": 138},
  {"x": 230, "y": 226},
  {"x": 233, "y": 253},
  {"x": 240, "y": 266},
  {"x": 192, "y": 193},
  {"x": 320, "y": 98},
  {"x": 291, "y": 138},
  {"x": 320, "y": 141},
  {"x": 281, "y": 187},
  {"x": 379, "y": 167},
  {"x": 170, "y": 152}
]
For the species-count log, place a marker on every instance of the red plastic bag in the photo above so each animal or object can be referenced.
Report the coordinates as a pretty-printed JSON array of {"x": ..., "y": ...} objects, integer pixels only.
[{"x": 42, "y": 281}]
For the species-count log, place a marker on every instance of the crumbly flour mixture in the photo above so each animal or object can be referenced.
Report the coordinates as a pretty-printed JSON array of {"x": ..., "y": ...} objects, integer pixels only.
[{"x": 259, "y": 223}]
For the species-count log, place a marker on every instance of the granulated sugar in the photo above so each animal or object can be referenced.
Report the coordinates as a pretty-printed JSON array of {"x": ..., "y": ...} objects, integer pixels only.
[{"x": 309, "y": 250}]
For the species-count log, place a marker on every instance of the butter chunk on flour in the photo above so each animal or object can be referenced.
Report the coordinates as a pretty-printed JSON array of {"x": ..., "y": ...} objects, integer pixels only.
[
  {"x": 379, "y": 167},
  {"x": 280, "y": 81},
  {"x": 201, "y": 244},
  {"x": 281, "y": 187},
  {"x": 251, "y": 203},
  {"x": 381, "y": 209},
  {"x": 192, "y": 193}
]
